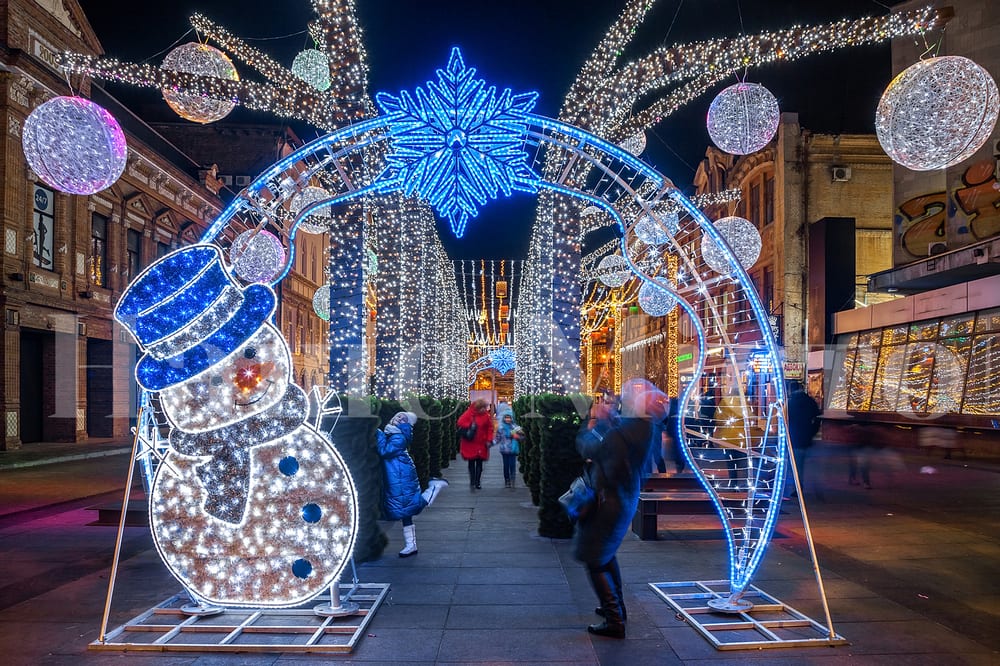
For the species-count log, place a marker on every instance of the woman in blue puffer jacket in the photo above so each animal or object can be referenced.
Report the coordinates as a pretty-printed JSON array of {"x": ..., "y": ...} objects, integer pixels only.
[{"x": 401, "y": 496}]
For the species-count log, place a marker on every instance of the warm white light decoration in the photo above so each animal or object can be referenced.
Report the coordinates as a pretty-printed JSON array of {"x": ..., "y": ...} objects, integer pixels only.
[
  {"x": 313, "y": 67},
  {"x": 251, "y": 506},
  {"x": 321, "y": 302},
  {"x": 743, "y": 118},
  {"x": 657, "y": 232},
  {"x": 937, "y": 113},
  {"x": 203, "y": 60},
  {"x": 635, "y": 144},
  {"x": 741, "y": 236},
  {"x": 319, "y": 221},
  {"x": 655, "y": 301},
  {"x": 613, "y": 270},
  {"x": 257, "y": 256},
  {"x": 74, "y": 145}
]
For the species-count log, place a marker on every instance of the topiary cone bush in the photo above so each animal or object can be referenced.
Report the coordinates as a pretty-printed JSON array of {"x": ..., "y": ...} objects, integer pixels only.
[
  {"x": 560, "y": 464},
  {"x": 436, "y": 444},
  {"x": 529, "y": 420},
  {"x": 354, "y": 437},
  {"x": 419, "y": 447},
  {"x": 449, "y": 438}
]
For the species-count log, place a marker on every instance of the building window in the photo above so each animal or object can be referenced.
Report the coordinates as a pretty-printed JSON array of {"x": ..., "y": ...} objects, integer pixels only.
[
  {"x": 162, "y": 250},
  {"x": 133, "y": 254},
  {"x": 768, "y": 199},
  {"x": 98, "y": 249},
  {"x": 768, "y": 292},
  {"x": 754, "y": 204},
  {"x": 43, "y": 226}
]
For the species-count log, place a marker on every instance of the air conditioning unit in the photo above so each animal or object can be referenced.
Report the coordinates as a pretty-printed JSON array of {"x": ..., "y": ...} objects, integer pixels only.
[
  {"x": 981, "y": 255},
  {"x": 841, "y": 174},
  {"x": 936, "y": 248},
  {"x": 242, "y": 181},
  {"x": 227, "y": 180}
]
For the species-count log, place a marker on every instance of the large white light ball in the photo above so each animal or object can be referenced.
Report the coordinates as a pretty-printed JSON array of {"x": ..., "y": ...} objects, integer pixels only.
[
  {"x": 655, "y": 301},
  {"x": 743, "y": 118},
  {"x": 741, "y": 236},
  {"x": 937, "y": 113},
  {"x": 313, "y": 67},
  {"x": 203, "y": 60},
  {"x": 321, "y": 302},
  {"x": 613, "y": 270},
  {"x": 257, "y": 256},
  {"x": 74, "y": 145},
  {"x": 319, "y": 221}
]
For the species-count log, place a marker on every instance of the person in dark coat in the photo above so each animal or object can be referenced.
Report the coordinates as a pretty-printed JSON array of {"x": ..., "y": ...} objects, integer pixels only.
[
  {"x": 803, "y": 424},
  {"x": 477, "y": 449},
  {"x": 617, "y": 457},
  {"x": 401, "y": 496}
]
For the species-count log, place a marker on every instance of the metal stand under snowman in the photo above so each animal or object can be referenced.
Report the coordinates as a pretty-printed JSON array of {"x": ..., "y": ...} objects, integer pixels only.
[{"x": 251, "y": 507}]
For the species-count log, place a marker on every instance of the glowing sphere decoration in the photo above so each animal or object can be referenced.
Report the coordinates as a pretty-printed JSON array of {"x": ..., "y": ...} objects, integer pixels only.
[
  {"x": 321, "y": 302},
  {"x": 319, "y": 221},
  {"x": 657, "y": 232},
  {"x": 937, "y": 113},
  {"x": 257, "y": 256},
  {"x": 742, "y": 237},
  {"x": 743, "y": 118},
  {"x": 313, "y": 67},
  {"x": 203, "y": 60},
  {"x": 74, "y": 145},
  {"x": 613, "y": 270},
  {"x": 655, "y": 301},
  {"x": 635, "y": 144}
]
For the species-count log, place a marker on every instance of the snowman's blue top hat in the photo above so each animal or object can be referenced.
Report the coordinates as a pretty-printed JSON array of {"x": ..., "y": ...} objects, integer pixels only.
[{"x": 187, "y": 313}]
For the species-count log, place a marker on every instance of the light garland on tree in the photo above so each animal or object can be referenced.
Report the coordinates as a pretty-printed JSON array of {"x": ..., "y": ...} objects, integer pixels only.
[
  {"x": 74, "y": 145},
  {"x": 937, "y": 113}
]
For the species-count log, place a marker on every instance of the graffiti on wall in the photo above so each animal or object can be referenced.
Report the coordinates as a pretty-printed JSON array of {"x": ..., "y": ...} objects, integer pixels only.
[{"x": 934, "y": 222}]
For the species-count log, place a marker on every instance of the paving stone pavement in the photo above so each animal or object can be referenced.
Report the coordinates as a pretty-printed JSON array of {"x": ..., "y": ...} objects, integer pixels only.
[{"x": 907, "y": 582}]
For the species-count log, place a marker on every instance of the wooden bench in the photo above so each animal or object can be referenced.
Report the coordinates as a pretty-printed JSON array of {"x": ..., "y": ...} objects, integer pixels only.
[{"x": 665, "y": 495}]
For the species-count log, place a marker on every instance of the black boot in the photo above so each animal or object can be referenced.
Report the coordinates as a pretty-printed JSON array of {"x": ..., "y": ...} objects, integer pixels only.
[
  {"x": 616, "y": 575},
  {"x": 604, "y": 585}
]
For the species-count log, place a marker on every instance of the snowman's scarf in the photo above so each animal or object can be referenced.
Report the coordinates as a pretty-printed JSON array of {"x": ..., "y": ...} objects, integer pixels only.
[{"x": 226, "y": 476}]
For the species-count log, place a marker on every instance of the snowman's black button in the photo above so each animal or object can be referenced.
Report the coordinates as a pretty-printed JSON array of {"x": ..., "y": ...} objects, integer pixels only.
[
  {"x": 302, "y": 568},
  {"x": 288, "y": 465},
  {"x": 311, "y": 513}
]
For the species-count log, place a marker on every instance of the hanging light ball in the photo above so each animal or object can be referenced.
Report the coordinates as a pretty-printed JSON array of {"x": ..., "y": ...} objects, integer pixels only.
[
  {"x": 319, "y": 221},
  {"x": 741, "y": 236},
  {"x": 743, "y": 118},
  {"x": 257, "y": 256},
  {"x": 654, "y": 300},
  {"x": 937, "y": 113},
  {"x": 313, "y": 67},
  {"x": 321, "y": 302},
  {"x": 613, "y": 270},
  {"x": 635, "y": 144},
  {"x": 653, "y": 232},
  {"x": 74, "y": 145},
  {"x": 203, "y": 60}
]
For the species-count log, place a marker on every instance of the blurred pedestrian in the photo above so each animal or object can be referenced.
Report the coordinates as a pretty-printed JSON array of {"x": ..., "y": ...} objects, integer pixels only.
[
  {"x": 475, "y": 427},
  {"x": 803, "y": 424},
  {"x": 507, "y": 438},
  {"x": 672, "y": 438},
  {"x": 401, "y": 496},
  {"x": 617, "y": 455}
]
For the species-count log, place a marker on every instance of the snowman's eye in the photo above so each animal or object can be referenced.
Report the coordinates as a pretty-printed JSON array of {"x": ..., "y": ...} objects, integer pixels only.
[
  {"x": 217, "y": 380},
  {"x": 249, "y": 352}
]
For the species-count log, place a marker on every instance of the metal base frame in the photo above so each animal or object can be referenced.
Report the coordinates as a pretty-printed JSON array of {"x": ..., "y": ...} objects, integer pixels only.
[
  {"x": 769, "y": 623},
  {"x": 167, "y": 628}
]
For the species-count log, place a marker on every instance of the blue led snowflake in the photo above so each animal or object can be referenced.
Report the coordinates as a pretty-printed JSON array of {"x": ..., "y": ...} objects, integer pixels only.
[
  {"x": 458, "y": 145},
  {"x": 503, "y": 360}
]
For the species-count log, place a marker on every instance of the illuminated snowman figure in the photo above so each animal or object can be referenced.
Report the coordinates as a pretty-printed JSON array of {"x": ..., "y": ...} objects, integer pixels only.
[{"x": 251, "y": 506}]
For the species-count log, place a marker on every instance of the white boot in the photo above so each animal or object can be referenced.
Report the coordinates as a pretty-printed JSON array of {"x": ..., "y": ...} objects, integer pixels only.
[
  {"x": 410, "y": 537},
  {"x": 434, "y": 486}
]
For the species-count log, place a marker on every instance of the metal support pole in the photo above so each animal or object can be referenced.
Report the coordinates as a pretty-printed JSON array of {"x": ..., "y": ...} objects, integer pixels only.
[
  {"x": 336, "y": 607},
  {"x": 121, "y": 529}
]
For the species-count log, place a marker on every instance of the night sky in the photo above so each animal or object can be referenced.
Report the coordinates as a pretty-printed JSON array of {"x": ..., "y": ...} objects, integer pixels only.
[{"x": 526, "y": 45}]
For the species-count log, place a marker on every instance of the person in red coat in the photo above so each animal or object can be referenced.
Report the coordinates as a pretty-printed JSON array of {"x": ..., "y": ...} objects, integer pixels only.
[{"x": 477, "y": 448}]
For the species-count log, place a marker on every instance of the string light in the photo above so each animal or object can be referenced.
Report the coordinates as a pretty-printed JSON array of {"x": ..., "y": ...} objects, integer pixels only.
[
  {"x": 937, "y": 113},
  {"x": 250, "y": 505},
  {"x": 74, "y": 145},
  {"x": 743, "y": 118},
  {"x": 202, "y": 60}
]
